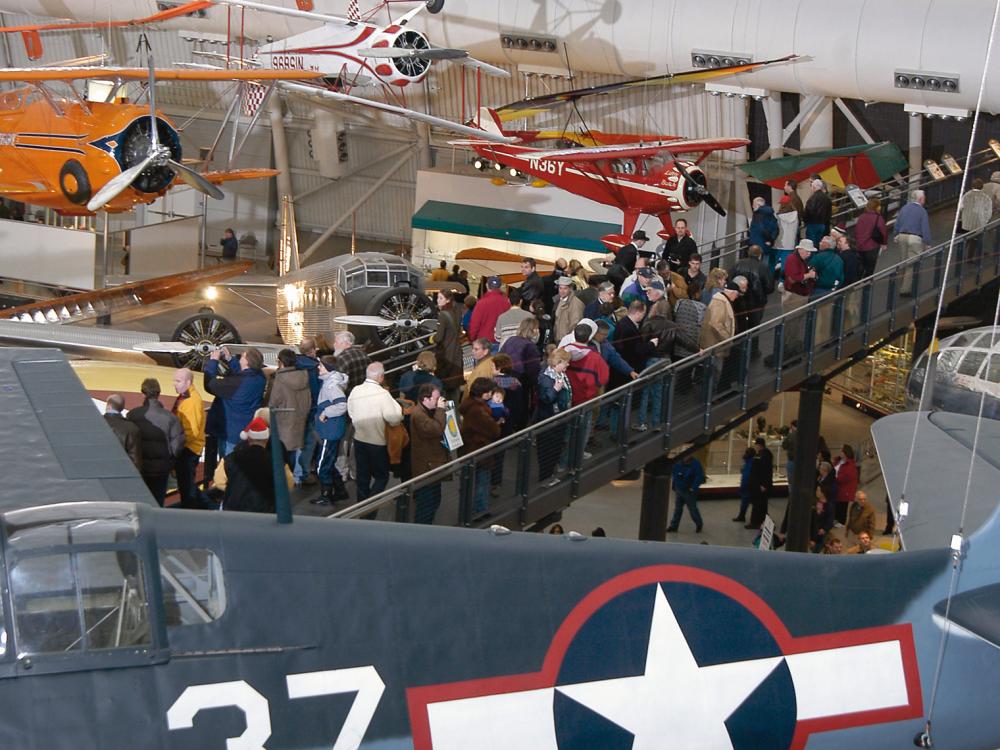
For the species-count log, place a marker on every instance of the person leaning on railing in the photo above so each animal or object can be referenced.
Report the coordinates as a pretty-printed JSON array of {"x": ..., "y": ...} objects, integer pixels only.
[{"x": 555, "y": 395}]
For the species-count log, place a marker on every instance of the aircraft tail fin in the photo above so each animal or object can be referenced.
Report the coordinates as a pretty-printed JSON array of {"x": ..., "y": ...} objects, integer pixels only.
[{"x": 489, "y": 121}]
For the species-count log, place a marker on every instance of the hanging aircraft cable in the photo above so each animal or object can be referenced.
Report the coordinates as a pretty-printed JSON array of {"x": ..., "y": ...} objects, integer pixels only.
[
  {"x": 589, "y": 133},
  {"x": 924, "y": 738}
]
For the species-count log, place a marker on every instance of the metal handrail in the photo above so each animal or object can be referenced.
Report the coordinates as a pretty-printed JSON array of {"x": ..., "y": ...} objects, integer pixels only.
[
  {"x": 635, "y": 387},
  {"x": 715, "y": 254}
]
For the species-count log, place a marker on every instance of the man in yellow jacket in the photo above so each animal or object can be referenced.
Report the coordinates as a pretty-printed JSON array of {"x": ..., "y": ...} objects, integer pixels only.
[{"x": 190, "y": 410}]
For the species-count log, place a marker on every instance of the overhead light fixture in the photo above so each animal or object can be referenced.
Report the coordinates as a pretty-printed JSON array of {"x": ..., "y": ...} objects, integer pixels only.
[
  {"x": 530, "y": 43},
  {"x": 923, "y": 80},
  {"x": 718, "y": 59},
  {"x": 513, "y": 172},
  {"x": 498, "y": 166},
  {"x": 927, "y": 111},
  {"x": 479, "y": 164},
  {"x": 741, "y": 91}
]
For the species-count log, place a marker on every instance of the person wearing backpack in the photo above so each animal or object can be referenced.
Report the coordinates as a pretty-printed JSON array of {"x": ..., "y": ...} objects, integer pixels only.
[
  {"x": 870, "y": 236},
  {"x": 330, "y": 424}
]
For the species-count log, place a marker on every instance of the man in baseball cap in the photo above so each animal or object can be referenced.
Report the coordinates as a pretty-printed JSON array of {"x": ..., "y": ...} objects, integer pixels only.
[{"x": 493, "y": 304}]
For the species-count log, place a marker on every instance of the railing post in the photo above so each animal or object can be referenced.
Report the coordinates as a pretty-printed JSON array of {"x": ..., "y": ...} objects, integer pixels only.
[
  {"x": 866, "y": 312},
  {"x": 524, "y": 474},
  {"x": 746, "y": 348},
  {"x": 809, "y": 338},
  {"x": 624, "y": 423},
  {"x": 839, "y": 310},
  {"x": 404, "y": 507},
  {"x": 890, "y": 300},
  {"x": 778, "y": 355},
  {"x": 959, "y": 266},
  {"x": 708, "y": 387},
  {"x": 575, "y": 452},
  {"x": 667, "y": 405},
  {"x": 465, "y": 492}
]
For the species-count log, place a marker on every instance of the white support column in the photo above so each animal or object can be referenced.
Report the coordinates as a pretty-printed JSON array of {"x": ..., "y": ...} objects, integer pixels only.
[
  {"x": 916, "y": 147},
  {"x": 775, "y": 135}
]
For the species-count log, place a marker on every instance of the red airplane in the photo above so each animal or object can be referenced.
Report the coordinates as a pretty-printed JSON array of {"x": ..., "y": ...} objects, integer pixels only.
[{"x": 634, "y": 173}]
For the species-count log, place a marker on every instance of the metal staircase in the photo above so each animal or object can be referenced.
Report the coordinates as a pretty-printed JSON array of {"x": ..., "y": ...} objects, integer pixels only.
[{"x": 511, "y": 478}]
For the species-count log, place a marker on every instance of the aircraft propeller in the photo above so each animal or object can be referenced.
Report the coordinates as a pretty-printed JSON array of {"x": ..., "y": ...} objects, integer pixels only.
[
  {"x": 158, "y": 155},
  {"x": 379, "y": 322},
  {"x": 698, "y": 187},
  {"x": 433, "y": 53}
]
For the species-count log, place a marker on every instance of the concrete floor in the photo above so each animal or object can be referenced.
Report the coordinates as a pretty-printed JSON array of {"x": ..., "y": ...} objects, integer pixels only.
[{"x": 615, "y": 507}]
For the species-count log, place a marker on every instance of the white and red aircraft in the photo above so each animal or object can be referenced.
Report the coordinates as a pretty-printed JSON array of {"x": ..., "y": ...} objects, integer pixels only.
[{"x": 354, "y": 52}]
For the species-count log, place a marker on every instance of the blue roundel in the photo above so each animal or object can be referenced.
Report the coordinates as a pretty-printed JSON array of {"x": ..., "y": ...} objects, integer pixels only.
[{"x": 613, "y": 643}]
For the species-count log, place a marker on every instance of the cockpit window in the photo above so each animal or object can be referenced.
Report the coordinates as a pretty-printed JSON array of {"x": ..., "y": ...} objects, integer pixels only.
[
  {"x": 193, "y": 589},
  {"x": 70, "y": 523},
  {"x": 971, "y": 362},
  {"x": 993, "y": 369},
  {"x": 79, "y": 601},
  {"x": 948, "y": 360}
]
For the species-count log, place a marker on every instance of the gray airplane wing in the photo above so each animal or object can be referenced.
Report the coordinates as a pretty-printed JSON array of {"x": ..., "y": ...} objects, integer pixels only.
[
  {"x": 54, "y": 445},
  {"x": 939, "y": 471}
]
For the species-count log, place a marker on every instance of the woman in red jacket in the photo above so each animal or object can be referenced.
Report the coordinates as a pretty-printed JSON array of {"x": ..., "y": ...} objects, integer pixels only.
[{"x": 847, "y": 482}]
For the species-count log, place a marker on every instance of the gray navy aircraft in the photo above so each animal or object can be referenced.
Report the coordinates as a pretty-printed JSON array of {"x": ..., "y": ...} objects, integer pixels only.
[{"x": 124, "y": 625}]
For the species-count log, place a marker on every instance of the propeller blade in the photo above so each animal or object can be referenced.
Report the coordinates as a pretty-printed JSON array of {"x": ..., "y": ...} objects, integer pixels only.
[
  {"x": 714, "y": 204},
  {"x": 118, "y": 184},
  {"x": 365, "y": 320},
  {"x": 195, "y": 180},
  {"x": 706, "y": 196},
  {"x": 490, "y": 70},
  {"x": 432, "y": 53}
]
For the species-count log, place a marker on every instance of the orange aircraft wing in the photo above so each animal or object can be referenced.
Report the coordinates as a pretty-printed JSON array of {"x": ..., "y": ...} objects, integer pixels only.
[
  {"x": 163, "y": 15},
  {"x": 162, "y": 74},
  {"x": 232, "y": 175}
]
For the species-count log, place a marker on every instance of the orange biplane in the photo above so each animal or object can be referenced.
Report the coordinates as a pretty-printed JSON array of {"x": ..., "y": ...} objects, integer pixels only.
[{"x": 60, "y": 150}]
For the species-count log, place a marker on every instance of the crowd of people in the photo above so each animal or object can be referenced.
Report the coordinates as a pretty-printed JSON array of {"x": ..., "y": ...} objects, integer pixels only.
[{"x": 538, "y": 348}]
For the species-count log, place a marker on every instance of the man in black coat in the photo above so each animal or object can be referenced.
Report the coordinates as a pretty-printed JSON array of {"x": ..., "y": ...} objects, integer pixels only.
[
  {"x": 533, "y": 287},
  {"x": 249, "y": 474},
  {"x": 761, "y": 482},
  {"x": 162, "y": 439},
  {"x": 760, "y": 283},
  {"x": 629, "y": 340},
  {"x": 127, "y": 433},
  {"x": 627, "y": 254},
  {"x": 679, "y": 247}
]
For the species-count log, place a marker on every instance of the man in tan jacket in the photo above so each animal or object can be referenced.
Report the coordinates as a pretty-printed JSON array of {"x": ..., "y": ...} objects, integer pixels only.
[
  {"x": 719, "y": 325},
  {"x": 569, "y": 309}
]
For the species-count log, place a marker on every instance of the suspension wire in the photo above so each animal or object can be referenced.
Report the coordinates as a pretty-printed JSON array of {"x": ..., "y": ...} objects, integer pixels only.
[
  {"x": 951, "y": 243},
  {"x": 956, "y": 547}
]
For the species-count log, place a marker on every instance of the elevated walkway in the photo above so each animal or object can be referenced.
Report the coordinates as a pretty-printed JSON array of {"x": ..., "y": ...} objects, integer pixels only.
[
  {"x": 512, "y": 478},
  {"x": 940, "y": 194}
]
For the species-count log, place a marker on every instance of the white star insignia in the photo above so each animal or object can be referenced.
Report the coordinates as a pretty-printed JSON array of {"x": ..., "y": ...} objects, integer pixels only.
[{"x": 675, "y": 702}]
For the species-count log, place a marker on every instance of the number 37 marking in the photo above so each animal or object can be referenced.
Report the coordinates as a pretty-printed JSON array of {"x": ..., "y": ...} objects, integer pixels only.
[{"x": 364, "y": 681}]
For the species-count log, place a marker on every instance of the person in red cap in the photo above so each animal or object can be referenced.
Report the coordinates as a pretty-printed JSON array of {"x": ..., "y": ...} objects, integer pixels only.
[{"x": 249, "y": 477}]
